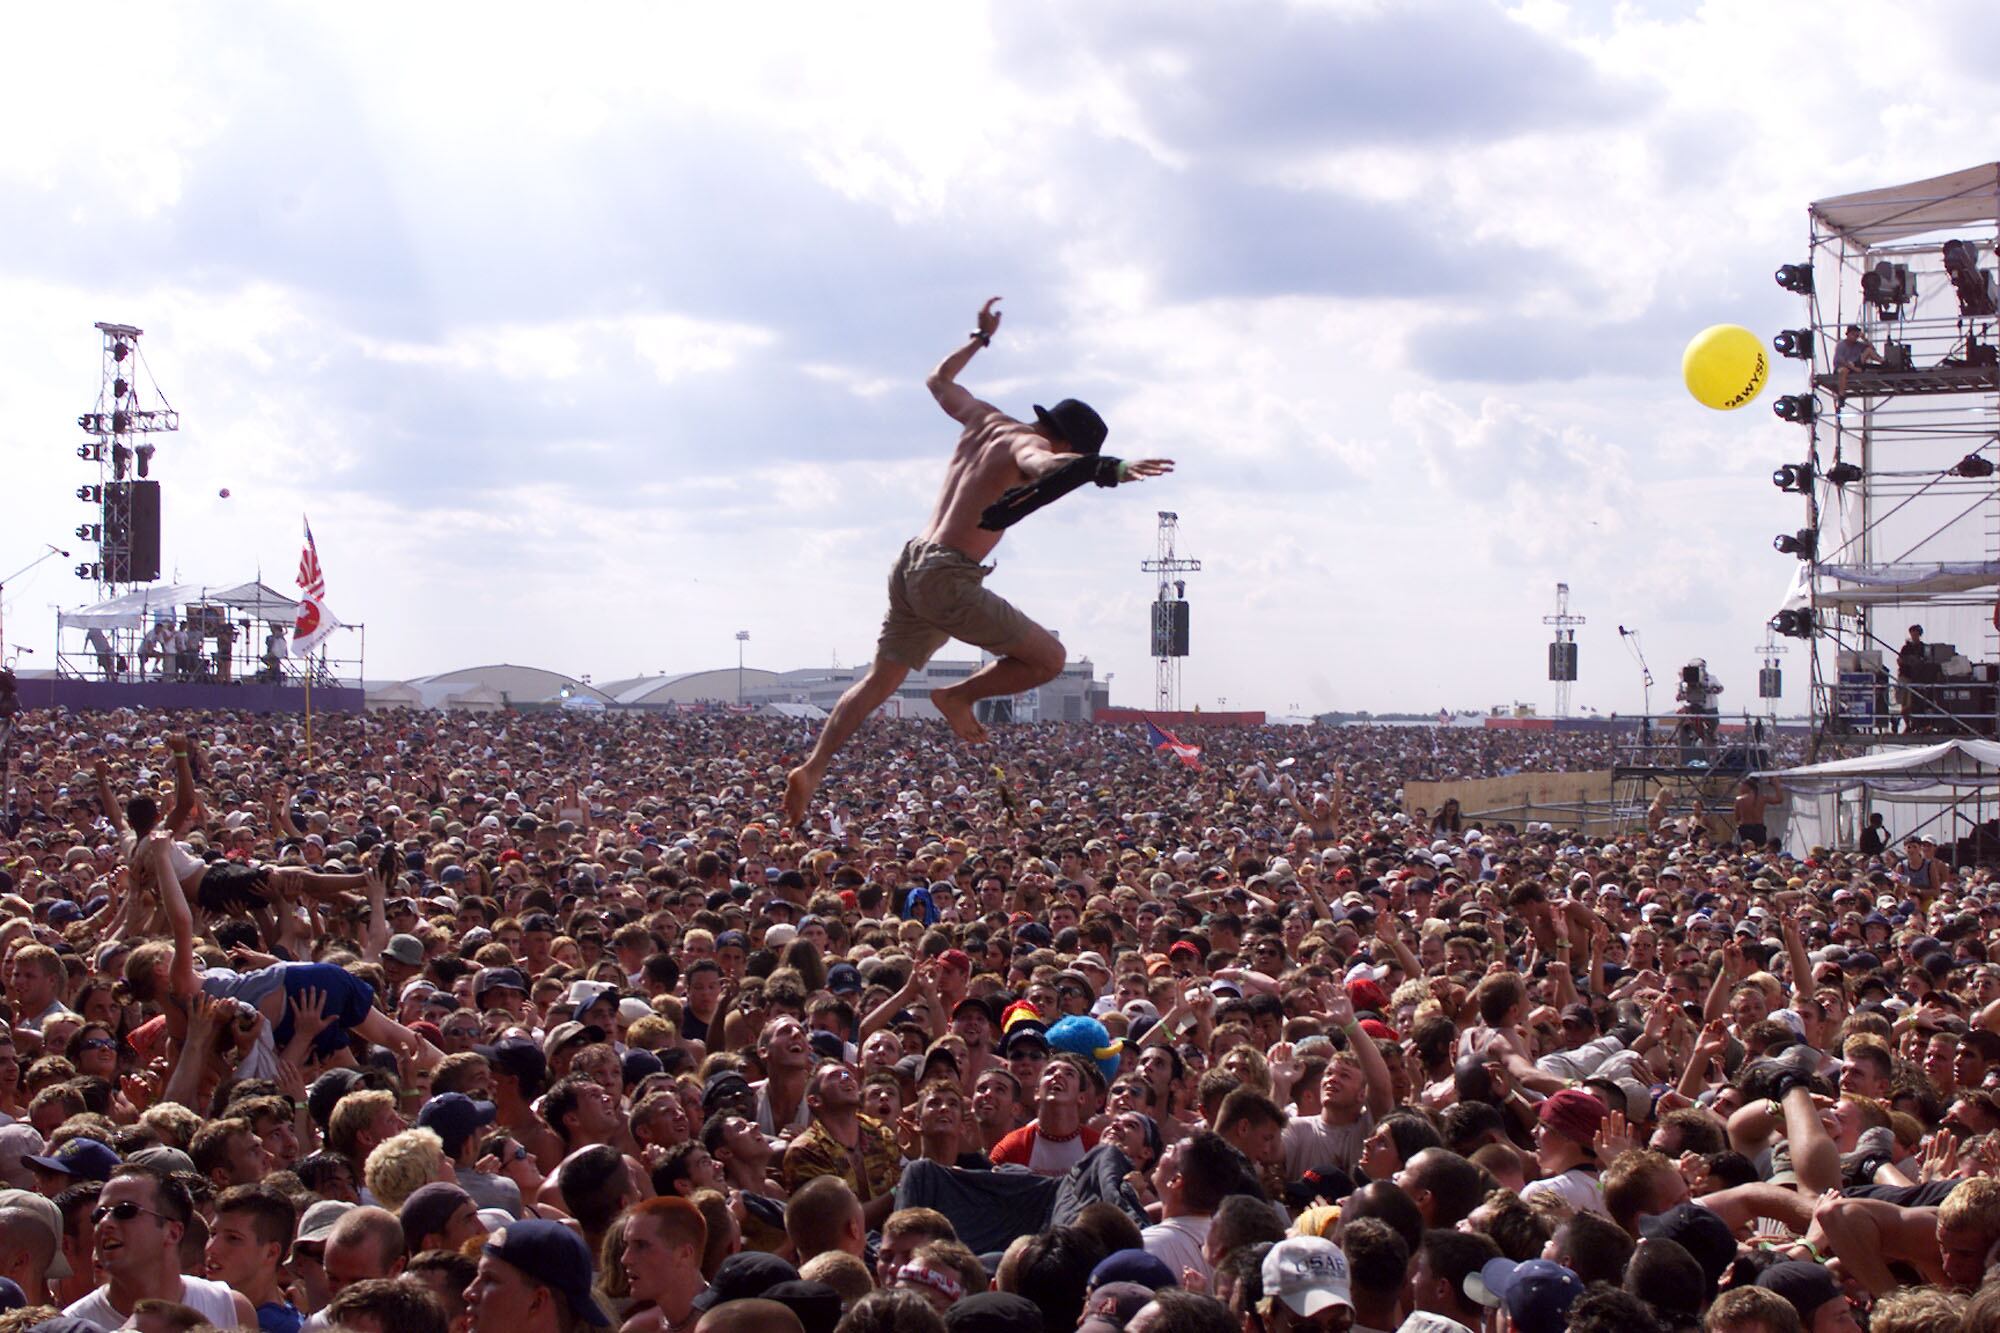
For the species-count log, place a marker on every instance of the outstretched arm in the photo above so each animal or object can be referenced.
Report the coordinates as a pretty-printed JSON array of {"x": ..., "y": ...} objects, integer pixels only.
[
  {"x": 183, "y": 978},
  {"x": 958, "y": 403}
]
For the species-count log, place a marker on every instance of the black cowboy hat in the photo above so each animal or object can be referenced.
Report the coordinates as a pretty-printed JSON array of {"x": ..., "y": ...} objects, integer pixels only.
[{"x": 1075, "y": 424}]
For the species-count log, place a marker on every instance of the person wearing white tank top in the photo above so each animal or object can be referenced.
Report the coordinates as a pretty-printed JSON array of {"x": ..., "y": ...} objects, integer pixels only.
[{"x": 138, "y": 1223}]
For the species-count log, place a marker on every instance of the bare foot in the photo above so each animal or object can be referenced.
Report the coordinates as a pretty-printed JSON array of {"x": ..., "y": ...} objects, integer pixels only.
[
  {"x": 959, "y": 715},
  {"x": 800, "y": 784}
]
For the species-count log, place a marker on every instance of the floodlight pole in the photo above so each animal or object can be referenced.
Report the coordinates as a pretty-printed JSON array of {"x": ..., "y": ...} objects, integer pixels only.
[{"x": 742, "y": 637}]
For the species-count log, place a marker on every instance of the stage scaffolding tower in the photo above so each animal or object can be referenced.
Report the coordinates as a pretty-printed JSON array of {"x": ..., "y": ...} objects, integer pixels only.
[
  {"x": 1896, "y": 462},
  {"x": 129, "y": 410},
  {"x": 1169, "y": 613}
]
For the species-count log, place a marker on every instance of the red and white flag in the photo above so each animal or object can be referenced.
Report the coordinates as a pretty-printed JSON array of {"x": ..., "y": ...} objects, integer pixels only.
[{"x": 315, "y": 621}]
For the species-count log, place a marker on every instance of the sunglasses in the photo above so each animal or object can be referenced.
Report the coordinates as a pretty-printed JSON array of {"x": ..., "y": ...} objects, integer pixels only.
[
  {"x": 123, "y": 1212},
  {"x": 100, "y": 1044}
]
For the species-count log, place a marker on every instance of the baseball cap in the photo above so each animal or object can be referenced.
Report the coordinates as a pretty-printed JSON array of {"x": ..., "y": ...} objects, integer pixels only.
[
  {"x": 405, "y": 949},
  {"x": 162, "y": 1158},
  {"x": 1307, "y": 1273},
  {"x": 562, "y": 1034},
  {"x": 1701, "y": 1232},
  {"x": 429, "y": 1208},
  {"x": 50, "y": 1216},
  {"x": 317, "y": 1223},
  {"x": 1536, "y": 1294},
  {"x": 454, "y": 1117},
  {"x": 83, "y": 1158},
  {"x": 1572, "y": 1113},
  {"x": 327, "y": 1089},
  {"x": 745, "y": 1275},
  {"x": 553, "y": 1255},
  {"x": 491, "y": 978},
  {"x": 1806, "y": 1286},
  {"x": 1147, "y": 1270},
  {"x": 815, "y": 1303}
]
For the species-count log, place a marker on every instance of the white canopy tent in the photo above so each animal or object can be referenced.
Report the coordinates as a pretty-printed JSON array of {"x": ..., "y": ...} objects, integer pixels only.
[
  {"x": 138, "y": 609},
  {"x": 1944, "y": 771},
  {"x": 1873, "y": 217},
  {"x": 1920, "y": 787}
]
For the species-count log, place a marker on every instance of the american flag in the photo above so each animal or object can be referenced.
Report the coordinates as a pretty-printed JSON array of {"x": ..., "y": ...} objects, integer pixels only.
[
  {"x": 311, "y": 577},
  {"x": 315, "y": 621}
]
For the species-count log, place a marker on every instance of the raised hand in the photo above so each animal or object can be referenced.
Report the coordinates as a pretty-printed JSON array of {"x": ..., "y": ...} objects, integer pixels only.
[
  {"x": 1284, "y": 1063},
  {"x": 1939, "y": 1158},
  {"x": 989, "y": 318},
  {"x": 1145, "y": 467},
  {"x": 309, "y": 1017},
  {"x": 1614, "y": 1137}
]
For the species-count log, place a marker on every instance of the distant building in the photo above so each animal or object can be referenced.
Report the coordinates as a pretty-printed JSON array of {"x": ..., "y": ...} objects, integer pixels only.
[{"x": 1074, "y": 696}]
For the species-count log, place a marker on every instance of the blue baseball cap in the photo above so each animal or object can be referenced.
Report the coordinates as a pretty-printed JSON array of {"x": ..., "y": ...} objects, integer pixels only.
[
  {"x": 454, "y": 1118},
  {"x": 1535, "y": 1294},
  {"x": 556, "y": 1257},
  {"x": 86, "y": 1159}
]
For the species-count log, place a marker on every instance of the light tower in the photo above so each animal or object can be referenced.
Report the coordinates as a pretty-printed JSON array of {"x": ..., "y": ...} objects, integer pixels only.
[
  {"x": 127, "y": 530},
  {"x": 1562, "y": 652},
  {"x": 1170, "y": 614}
]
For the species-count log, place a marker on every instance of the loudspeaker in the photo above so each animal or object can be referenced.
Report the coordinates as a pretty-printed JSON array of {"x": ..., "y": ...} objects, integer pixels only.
[
  {"x": 132, "y": 522},
  {"x": 1170, "y": 629},
  {"x": 1770, "y": 683},
  {"x": 1562, "y": 661}
]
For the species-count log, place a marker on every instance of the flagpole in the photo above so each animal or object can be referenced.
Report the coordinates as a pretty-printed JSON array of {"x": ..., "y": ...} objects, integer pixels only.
[{"x": 309, "y": 709}]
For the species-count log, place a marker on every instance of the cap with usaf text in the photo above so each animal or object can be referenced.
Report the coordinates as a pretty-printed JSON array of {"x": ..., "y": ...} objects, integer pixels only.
[{"x": 1309, "y": 1274}]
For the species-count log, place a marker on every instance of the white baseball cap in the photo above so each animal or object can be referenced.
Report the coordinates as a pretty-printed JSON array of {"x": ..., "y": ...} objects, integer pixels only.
[{"x": 1309, "y": 1274}]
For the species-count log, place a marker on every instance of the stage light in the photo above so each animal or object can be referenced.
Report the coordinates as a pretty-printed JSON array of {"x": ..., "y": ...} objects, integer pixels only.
[
  {"x": 121, "y": 422},
  {"x": 92, "y": 422},
  {"x": 1887, "y": 287},
  {"x": 1795, "y": 278},
  {"x": 1973, "y": 285},
  {"x": 90, "y": 494},
  {"x": 1842, "y": 473},
  {"x": 89, "y": 453},
  {"x": 1974, "y": 465},
  {"x": 88, "y": 531},
  {"x": 121, "y": 458},
  {"x": 119, "y": 388},
  {"x": 1794, "y": 624},
  {"x": 1796, "y": 407},
  {"x": 1793, "y": 343},
  {"x": 145, "y": 452},
  {"x": 119, "y": 351},
  {"x": 86, "y": 571},
  {"x": 1794, "y": 477},
  {"x": 1801, "y": 543},
  {"x": 1897, "y": 357}
]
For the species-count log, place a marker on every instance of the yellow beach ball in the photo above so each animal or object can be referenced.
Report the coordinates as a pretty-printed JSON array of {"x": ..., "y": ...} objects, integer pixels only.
[{"x": 1725, "y": 366}]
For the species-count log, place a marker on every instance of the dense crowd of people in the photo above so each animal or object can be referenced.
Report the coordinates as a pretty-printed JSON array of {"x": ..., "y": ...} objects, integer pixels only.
[{"x": 538, "y": 1022}]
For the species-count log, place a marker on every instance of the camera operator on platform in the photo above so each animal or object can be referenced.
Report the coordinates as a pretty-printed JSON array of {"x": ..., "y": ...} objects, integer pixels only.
[{"x": 1696, "y": 696}]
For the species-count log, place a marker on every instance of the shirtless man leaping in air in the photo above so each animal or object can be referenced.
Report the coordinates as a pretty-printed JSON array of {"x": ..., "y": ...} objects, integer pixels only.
[{"x": 936, "y": 590}]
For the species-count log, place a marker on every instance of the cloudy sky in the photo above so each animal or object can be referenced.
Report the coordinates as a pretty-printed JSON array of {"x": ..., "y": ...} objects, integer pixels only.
[{"x": 591, "y": 335}]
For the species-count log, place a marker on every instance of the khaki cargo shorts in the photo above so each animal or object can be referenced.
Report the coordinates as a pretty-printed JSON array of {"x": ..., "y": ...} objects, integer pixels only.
[{"x": 936, "y": 594}]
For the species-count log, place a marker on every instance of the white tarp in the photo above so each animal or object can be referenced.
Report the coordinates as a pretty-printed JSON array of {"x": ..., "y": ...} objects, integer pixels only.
[
  {"x": 1872, "y": 217},
  {"x": 1849, "y": 587},
  {"x": 1919, "y": 773},
  {"x": 137, "y": 609}
]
